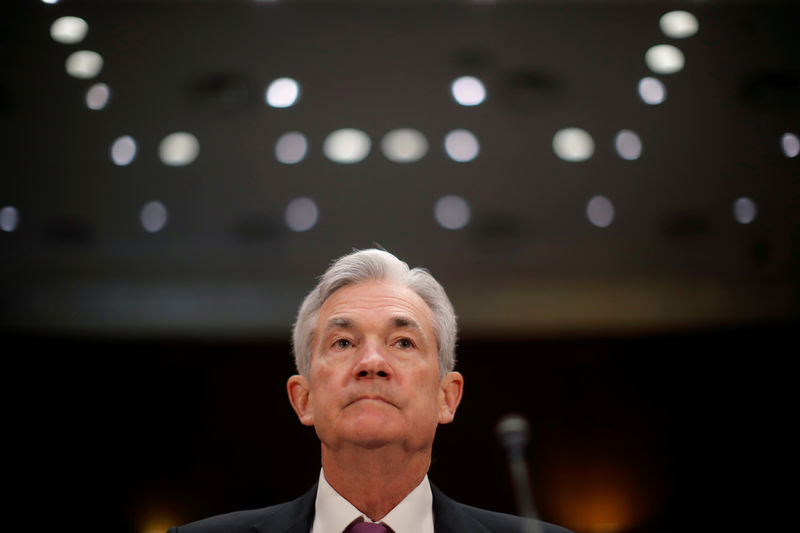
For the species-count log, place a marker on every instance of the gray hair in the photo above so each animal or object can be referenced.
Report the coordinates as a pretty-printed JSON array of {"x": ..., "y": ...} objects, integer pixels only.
[{"x": 375, "y": 265}]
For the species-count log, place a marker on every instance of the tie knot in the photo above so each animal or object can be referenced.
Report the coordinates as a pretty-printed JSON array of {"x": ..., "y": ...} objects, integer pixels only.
[{"x": 366, "y": 527}]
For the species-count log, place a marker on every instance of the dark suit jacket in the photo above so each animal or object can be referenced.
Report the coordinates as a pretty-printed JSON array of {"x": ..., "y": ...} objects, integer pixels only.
[{"x": 297, "y": 516}]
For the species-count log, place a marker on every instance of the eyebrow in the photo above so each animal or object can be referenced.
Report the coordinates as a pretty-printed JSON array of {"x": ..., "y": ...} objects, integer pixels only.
[
  {"x": 338, "y": 322},
  {"x": 406, "y": 322},
  {"x": 398, "y": 322}
]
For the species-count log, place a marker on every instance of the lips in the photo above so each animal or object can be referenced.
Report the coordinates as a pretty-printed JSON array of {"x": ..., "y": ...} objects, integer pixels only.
[{"x": 371, "y": 397}]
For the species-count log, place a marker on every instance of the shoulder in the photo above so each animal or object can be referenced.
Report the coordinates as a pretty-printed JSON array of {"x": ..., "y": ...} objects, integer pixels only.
[
  {"x": 451, "y": 515},
  {"x": 230, "y": 522},
  {"x": 502, "y": 522},
  {"x": 298, "y": 512}
]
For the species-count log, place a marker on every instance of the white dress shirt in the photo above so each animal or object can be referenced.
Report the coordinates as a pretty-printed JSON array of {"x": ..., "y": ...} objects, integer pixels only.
[{"x": 332, "y": 513}]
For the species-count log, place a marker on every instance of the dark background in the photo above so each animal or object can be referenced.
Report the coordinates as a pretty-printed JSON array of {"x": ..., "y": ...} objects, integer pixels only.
[
  {"x": 669, "y": 432},
  {"x": 145, "y": 373}
]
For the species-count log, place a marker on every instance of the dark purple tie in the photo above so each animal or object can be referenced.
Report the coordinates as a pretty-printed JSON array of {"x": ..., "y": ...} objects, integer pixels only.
[{"x": 366, "y": 527}]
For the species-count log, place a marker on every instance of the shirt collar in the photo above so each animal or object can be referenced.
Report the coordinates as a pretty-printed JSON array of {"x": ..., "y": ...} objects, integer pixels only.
[{"x": 333, "y": 513}]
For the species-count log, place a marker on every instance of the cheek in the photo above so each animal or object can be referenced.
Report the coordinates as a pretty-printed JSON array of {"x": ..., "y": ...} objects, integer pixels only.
[{"x": 322, "y": 390}]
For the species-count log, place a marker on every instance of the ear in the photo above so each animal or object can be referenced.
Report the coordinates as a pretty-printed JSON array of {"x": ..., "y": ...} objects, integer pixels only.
[
  {"x": 450, "y": 388},
  {"x": 299, "y": 396}
]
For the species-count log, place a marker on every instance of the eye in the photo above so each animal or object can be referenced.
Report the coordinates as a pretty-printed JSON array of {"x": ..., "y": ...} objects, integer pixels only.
[
  {"x": 404, "y": 343},
  {"x": 342, "y": 344}
]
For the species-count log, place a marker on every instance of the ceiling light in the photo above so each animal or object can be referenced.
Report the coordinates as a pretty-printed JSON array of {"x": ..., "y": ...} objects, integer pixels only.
[
  {"x": 461, "y": 145},
  {"x": 451, "y": 212},
  {"x": 291, "y": 148},
  {"x": 84, "y": 64},
  {"x": 600, "y": 211},
  {"x": 178, "y": 149},
  {"x": 404, "y": 145},
  {"x": 68, "y": 30},
  {"x": 283, "y": 92},
  {"x": 652, "y": 91},
  {"x": 468, "y": 91},
  {"x": 664, "y": 59},
  {"x": 573, "y": 144},
  {"x": 346, "y": 145},
  {"x": 678, "y": 24}
]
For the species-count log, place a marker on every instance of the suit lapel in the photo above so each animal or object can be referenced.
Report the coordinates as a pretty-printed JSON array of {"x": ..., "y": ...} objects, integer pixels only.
[
  {"x": 448, "y": 517},
  {"x": 296, "y": 516}
]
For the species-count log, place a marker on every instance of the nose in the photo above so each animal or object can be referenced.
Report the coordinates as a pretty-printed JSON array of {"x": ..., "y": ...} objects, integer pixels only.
[{"x": 372, "y": 364}]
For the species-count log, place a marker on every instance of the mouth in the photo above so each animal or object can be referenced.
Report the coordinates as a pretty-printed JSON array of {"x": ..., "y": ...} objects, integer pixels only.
[{"x": 371, "y": 398}]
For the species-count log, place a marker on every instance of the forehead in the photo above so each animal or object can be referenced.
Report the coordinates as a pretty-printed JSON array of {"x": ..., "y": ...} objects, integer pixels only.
[{"x": 372, "y": 300}]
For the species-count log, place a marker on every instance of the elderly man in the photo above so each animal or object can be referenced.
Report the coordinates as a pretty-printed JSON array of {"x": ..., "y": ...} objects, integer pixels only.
[{"x": 374, "y": 345}]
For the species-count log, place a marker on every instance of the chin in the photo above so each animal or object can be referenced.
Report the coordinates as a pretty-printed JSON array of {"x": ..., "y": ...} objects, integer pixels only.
[{"x": 374, "y": 433}]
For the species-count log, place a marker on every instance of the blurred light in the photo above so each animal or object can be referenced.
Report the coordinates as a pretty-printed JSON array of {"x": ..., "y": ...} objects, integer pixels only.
[
  {"x": 664, "y": 59},
  {"x": 153, "y": 216},
  {"x": 790, "y": 144},
  {"x": 468, "y": 91},
  {"x": 600, "y": 211},
  {"x": 283, "y": 92},
  {"x": 346, "y": 145},
  {"x": 97, "y": 96},
  {"x": 652, "y": 91},
  {"x": 158, "y": 526},
  {"x": 461, "y": 145},
  {"x": 84, "y": 64},
  {"x": 69, "y": 30},
  {"x": 404, "y": 145},
  {"x": 291, "y": 148},
  {"x": 178, "y": 149},
  {"x": 628, "y": 145},
  {"x": 744, "y": 210},
  {"x": 678, "y": 24},
  {"x": 50, "y": 1},
  {"x": 301, "y": 214},
  {"x": 451, "y": 212},
  {"x": 9, "y": 218},
  {"x": 573, "y": 144},
  {"x": 123, "y": 151}
]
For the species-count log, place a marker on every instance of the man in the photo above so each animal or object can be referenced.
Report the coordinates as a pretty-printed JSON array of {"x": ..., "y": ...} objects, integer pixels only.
[{"x": 374, "y": 346}]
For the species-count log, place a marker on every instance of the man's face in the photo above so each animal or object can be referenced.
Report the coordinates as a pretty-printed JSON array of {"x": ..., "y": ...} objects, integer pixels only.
[{"x": 374, "y": 377}]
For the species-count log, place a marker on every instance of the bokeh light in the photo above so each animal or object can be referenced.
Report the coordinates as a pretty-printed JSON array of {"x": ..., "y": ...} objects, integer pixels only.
[
  {"x": 123, "y": 150},
  {"x": 9, "y": 218},
  {"x": 461, "y": 145},
  {"x": 678, "y": 24},
  {"x": 347, "y": 145},
  {"x": 283, "y": 92},
  {"x": 69, "y": 30},
  {"x": 153, "y": 216},
  {"x": 404, "y": 145},
  {"x": 652, "y": 91},
  {"x": 744, "y": 210},
  {"x": 291, "y": 148},
  {"x": 301, "y": 214},
  {"x": 468, "y": 91},
  {"x": 628, "y": 145},
  {"x": 451, "y": 212},
  {"x": 84, "y": 64},
  {"x": 664, "y": 59},
  {"x": 97, "y": 96},
  {"x": 178, "y": 149},
  {"x": 573, "y": 144},
  {"x": 600, "y": 211},
  {"x": 790, "y": 145}
]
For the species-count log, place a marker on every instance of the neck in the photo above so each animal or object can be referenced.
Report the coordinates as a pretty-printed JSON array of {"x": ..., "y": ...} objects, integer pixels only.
[{"x": 374, "y": 480}]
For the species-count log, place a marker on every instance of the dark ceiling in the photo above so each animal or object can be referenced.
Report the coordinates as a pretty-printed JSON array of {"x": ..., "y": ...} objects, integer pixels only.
[{"x": 528, "y": 262}]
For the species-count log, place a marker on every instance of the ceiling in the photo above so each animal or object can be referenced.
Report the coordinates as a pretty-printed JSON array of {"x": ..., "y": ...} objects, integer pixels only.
[{"x": 527, "y": 263}]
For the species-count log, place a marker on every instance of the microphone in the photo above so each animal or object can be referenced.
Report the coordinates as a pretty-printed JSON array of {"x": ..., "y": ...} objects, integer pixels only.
[{"x": 513, "y": 431}]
